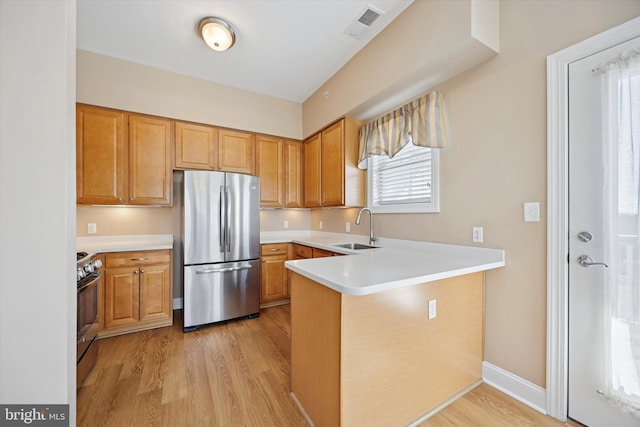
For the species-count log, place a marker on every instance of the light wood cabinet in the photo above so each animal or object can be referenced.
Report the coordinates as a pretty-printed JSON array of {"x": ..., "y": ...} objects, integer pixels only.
[
  {"x": 236, "y": 151},
  {"x": 280, "y": 163},
  {"x": 270, "y": 153},
  {"x": 196, "y": 146},
  {"x": 199, "y": 146},
  {"x": 321, "y": 253},
  {"x": 149, "y": 160},
  {"x": 331, "y": 175},
  {"x": 122, "y": 158},
  {"x": 101, "y": 150},
  {"x": 302, "y": 251},
  {"x": 274, "y": 284},
  {"x": 137, "y": 291},
  {"x": 312, "y": 156},
  {"x": 293, "y": 174}
]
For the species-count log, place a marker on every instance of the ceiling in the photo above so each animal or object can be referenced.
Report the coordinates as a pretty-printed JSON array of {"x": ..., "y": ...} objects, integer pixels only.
[{"x": 284, "y": 48}]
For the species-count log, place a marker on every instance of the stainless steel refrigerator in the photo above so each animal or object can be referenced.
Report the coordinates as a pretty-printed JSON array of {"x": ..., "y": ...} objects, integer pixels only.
[{"x": 221, "y": 247}]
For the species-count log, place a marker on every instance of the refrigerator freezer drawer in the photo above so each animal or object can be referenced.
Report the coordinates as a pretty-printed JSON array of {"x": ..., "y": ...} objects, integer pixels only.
[{"x": 217, "y": 292}]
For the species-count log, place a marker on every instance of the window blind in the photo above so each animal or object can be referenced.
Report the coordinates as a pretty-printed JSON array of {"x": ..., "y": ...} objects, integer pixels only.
[{"x": 404, "y": 179}]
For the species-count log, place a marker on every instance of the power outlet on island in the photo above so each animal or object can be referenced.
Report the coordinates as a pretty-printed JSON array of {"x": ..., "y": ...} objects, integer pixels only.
[
  {"x": 92, "y": 228},
  {"x": 432, "y": 309}
]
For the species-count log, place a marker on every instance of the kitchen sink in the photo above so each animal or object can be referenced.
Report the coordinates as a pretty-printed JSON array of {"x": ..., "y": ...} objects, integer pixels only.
[{"x": 354, "y": 246}]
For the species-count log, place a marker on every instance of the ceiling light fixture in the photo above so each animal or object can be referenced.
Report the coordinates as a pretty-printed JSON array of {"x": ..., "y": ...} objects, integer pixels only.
[{"x": 217, "y": 33}]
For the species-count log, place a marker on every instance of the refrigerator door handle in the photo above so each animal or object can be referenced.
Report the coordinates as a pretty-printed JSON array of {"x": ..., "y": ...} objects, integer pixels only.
[
  {"x": 223, "y": 270},
  {"x": 227, "y": 203},
  {"x": 222, "y": 224}
]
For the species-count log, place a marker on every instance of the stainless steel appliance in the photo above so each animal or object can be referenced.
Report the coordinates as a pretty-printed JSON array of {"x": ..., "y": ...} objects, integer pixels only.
[
  {"x": 221, "y": 247},
  {"x": 88, "y": 278}
]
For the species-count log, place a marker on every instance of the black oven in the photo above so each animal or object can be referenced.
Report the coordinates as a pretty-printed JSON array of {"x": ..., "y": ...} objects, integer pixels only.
[{"x": 88, "y": 280}]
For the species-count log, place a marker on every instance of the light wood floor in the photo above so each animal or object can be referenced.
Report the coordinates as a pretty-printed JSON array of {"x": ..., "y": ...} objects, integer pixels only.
[{"x": 233, "y": 374}]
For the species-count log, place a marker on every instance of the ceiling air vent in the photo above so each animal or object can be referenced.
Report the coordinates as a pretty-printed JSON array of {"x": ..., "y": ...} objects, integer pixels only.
[
  {"x": 369, "y": 17},
  {"x": 358, "y": 28}
]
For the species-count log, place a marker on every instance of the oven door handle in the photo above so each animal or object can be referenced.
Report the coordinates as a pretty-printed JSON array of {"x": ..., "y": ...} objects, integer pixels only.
[{"x": 93, "y": 282}]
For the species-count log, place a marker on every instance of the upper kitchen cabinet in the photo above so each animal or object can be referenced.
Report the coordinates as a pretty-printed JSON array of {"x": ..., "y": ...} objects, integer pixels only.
[
  {"x": 331, "y": 175},
  {"x": 149, "y": 160},
  {"x": 236, "y": 151},
  {"x": 293, "y": 175},
  {"x": 270, "y": 170},
  {"x": 206, "y": 147},
  {"x": 101, "y": 150},
  {"x": 196, "y": 146},
  {"x": 122, "y": 158}
]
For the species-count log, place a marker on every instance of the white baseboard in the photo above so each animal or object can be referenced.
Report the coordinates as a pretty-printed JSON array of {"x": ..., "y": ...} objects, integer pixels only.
[
  {"x": 177, "y": 303},
  {"x": 520, "y": 389}
]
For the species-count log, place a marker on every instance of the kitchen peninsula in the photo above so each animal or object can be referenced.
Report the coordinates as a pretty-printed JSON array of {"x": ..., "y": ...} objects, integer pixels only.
[{"x": 386, "y": 335}]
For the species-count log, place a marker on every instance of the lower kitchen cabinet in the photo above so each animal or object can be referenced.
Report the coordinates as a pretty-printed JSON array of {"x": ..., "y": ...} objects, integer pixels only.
[
  {"x": 274, "y": 284},
  {"x": 137, "y": 291}
]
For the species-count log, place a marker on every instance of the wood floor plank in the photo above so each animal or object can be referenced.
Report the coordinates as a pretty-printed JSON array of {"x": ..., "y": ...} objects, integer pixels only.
[{"x": 235, "y": 374}]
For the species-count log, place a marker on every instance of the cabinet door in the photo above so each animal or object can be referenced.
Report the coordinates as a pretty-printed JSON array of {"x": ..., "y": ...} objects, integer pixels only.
[
  {"x": 236, "y": 151},
  {"x": 332, "y": 165},
  {"x": 149, "y": 160},
  {"x": 273, "y": 279},
  {"x": 196, "y": 146},
  {"x": 101, "y": 150},
  {"x": 155, "y": 292},
  {"x": 293, "y": 177},
  {"x": 312, "y": 172},
  {"x": 270, "y": 170},
  {"x": 121, "y": 297}
]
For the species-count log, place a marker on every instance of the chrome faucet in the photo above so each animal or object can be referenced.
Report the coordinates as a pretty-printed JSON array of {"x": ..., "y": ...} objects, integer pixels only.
[{"x": 372, "y": 238}]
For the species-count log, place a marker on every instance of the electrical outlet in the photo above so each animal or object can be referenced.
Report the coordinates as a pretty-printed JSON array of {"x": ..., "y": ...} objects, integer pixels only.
[
  {"x": 321, "y": 225},
  {"x": 432, "y": 309},
  {"x": 92, "y": 228},
  {"x": 286, "y": 224},
  {"x": 348, "y": 227},
  {"x": 478, "y": 234}
]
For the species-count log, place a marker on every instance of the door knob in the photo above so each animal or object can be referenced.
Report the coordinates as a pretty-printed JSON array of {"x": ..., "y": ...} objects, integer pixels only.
[{"x": 587, "y": 261}]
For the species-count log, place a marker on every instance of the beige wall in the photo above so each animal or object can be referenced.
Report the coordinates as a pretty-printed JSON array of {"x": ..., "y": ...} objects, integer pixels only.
[
  {"x": 112, "y": 82},
  {"x": 496, "y": 161}
]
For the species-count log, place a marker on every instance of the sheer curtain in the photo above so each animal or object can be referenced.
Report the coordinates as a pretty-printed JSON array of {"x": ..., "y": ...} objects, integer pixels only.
[{"x": 621, "y": 157}]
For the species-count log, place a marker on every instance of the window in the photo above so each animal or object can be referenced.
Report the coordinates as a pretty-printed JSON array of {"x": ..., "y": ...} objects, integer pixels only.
[{"x": 406, "y": 183}]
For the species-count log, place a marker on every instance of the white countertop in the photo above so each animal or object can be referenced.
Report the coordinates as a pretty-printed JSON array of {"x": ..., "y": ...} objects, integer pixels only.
[
  {"x": 101, "y": 244},
  {"x": 395, "y": 264}
]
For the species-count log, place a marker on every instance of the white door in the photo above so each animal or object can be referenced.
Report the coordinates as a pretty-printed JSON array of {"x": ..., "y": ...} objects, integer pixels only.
[{"x": 590, "y": 210}]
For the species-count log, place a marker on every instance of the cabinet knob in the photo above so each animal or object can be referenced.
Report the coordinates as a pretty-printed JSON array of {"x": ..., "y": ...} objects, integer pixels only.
[
  {"x": 141, "y": 271},
  {"x": 135, "y": 272}
]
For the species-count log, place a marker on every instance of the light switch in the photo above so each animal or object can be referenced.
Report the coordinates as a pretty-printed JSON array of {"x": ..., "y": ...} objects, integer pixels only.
[
  {"x": 532, "y": 212},
  {"x": 347, "y": 227},
  {"x": 286, "y": 224}
]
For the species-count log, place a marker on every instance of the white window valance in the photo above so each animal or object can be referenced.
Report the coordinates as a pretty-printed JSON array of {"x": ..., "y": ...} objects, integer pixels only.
[{"x": 420, "y": 122}]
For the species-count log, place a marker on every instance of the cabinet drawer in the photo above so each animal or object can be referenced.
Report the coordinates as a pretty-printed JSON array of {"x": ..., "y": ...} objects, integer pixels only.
[
  {"x": 134, "y": 258},
  {"x": 321, "y": 253},
  {"x": 274, "y": 249},
  {"x": 301, "y": 251}
]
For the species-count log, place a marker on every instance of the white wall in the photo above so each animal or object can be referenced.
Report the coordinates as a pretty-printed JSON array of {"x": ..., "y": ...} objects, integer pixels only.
[{"x": 37, "y": 205}]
